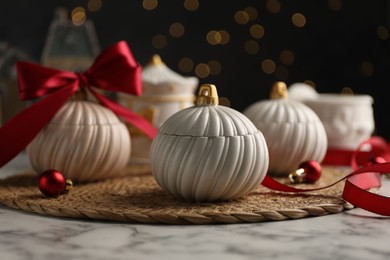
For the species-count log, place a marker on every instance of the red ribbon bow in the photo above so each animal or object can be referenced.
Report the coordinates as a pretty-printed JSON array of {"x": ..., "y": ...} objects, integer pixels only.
[{"x": 115, "y": 69}]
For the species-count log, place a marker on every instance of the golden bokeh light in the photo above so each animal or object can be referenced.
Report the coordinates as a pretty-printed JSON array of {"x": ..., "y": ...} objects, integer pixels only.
[
  {"x": 252, "y": 13},
  {"x": 298, "y": 19},
  {"x": 202, "y": 70},
  {"x": 273, "y": 6},
  {"x": 287, "y": 57},
  {"x": 215, "y": 67},
  {"x": 191, "y": 5},
  {"x": 214, "y": 37},
  {"x": 241, "y": 17},
  {"x": 382, "y": 32},
  {"x": 257, "y": 31},
  {"x": 149, "y": 4},
  {"x": 367, "y": 69},
  {"x": 94, "y": 5},
  {"x": 176, "y": 30},
  {"x": 334, "y": 5},
  {"x": 159, "y": 41},
  {"x": 78, "y": 16},
  {"x": 186, "y": 64},
  {"x": 225, "y": 37},
  {"x": 251, "y": 47},
  {"x": 268, "y": 66}
]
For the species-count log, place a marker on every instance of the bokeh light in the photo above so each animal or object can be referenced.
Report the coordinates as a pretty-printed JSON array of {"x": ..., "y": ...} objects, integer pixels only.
[
  {"x": 202, "y": 70},
  {"x": 298, "y": 19},
  {"x": 149, "y": 4},
  {"x": 78, "y": 16},
  {"x": 191, "y": 5},
  {"x": 268, "y": 66},
  {"x": 159, "y": 41},
  {"x": 94, "y": 5},
  {"x": 176, "y": 30},
  {"x": 186, "y": 64}
]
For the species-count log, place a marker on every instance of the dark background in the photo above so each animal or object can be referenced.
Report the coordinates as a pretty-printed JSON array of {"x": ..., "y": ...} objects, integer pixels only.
[{"x": 342, "y": 44}]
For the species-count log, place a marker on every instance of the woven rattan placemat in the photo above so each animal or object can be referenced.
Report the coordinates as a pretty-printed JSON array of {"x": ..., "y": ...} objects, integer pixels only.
[{"x": 136, "y": 198}]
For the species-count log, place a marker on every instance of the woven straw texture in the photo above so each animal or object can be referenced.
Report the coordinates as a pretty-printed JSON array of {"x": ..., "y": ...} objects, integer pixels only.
[{"x": 136, "y": 198}]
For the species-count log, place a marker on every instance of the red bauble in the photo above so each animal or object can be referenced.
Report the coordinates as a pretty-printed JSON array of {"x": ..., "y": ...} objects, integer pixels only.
[
  {"x": 312, "y": 170},
  {"x": 309, "y": 171},
  {"x": 53, "y": 183}
]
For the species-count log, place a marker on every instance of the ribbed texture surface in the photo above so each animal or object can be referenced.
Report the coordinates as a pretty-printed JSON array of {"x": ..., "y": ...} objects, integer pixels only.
[
  {"x": 293, "y": 132},
  {"x": 209, "y": 153},
  {"x": 84, "y": 141},
  {"x": 208, "y": 121}
]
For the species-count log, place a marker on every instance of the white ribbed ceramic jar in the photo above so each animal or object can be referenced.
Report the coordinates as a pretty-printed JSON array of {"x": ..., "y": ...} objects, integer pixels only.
[
  {"x": 84, "y": 140},
  {"x": 294, "y": 133},
  {"x": 209, "y": 152}
]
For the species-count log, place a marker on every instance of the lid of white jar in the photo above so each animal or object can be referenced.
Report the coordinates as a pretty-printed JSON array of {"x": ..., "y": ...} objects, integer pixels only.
[
  {"x": 208, "y": 119},
  {"x": 157, "y": 72},
  {"x": 280, "y": 109}
]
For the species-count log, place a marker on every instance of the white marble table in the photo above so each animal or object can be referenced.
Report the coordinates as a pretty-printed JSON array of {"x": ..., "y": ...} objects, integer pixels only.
[{"x": 354, "y": 234}]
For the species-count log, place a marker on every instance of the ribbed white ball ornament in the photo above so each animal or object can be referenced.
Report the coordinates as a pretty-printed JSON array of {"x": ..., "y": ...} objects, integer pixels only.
[
  {"x": 84, "y": 141},
  {"x": 294, "y": 133},
  {"x": 209, "y": 152}
]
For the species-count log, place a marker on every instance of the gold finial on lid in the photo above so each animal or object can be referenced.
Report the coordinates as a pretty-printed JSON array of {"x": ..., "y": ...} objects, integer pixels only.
[
  {"x": 156, "y": 60},
  {"x": 208, "y": 95},
  {"x": 279, "y": 90}
]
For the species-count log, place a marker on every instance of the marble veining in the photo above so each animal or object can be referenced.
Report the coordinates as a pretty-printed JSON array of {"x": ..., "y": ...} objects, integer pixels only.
[{"x": 354, "y": 234}]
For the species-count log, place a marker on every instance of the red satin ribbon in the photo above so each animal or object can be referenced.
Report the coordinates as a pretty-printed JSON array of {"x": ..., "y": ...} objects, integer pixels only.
[
  {"x": 115, "y": 69},
  {"x": 352, "y": 193},
  {"x": 359, "y": 181},
  {"x": 377, "y": 147}
]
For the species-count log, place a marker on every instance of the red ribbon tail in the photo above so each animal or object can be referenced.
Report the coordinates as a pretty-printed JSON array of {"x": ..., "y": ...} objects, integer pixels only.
[
  {"x": 130, "y": 116},
  {"x": 366, "y": 200},
  {"x": 355, "y": 192},
  {"x": 18, "y": 132},
  {"x": 273, "y": 184}
]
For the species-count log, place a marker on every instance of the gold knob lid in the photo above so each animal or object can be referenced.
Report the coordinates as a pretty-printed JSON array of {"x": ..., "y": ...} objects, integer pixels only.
[
  {"x": 156, "y": 60},
  {"x": 279, "y": 90},
  {"x": 207, "y": 95}
]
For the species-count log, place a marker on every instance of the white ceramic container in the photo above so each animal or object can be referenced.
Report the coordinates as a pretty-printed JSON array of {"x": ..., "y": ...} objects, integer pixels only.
[
  {"x": 348, "y": 119},
  {"x": 209, "y": 152},
  {"x": 293, "y": 131},
  {"x": 85, "y": 141}
]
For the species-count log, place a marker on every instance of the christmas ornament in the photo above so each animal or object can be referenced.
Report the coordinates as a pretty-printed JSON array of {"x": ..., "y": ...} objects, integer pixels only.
[
  {"x": 85, "y": 141},
  {"x": 293, "y": 132},
  {"x": 164, "y": 93},
  {"x": 113, "y": 70},
  {"x": 209, "y": 152},
  {"x": 309, "y": 171},
  {"x": 53, "y": 183}
]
